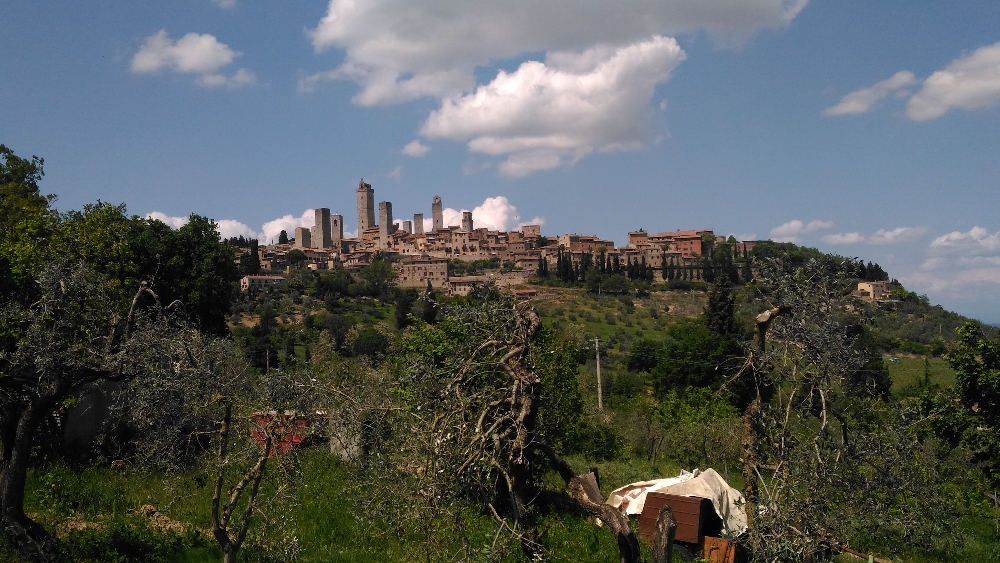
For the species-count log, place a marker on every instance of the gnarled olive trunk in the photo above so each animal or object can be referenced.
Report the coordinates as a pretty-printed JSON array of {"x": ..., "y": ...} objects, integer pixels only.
[{"x": 16, "y": 432}]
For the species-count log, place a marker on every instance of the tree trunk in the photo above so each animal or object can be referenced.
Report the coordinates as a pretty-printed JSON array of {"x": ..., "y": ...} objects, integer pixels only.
[
  {"x": 663, "y": 541},
  {"x": 749, "y": 458},
  {"x": 584, "y": 489},
  {"x": 32, "y": 540}
]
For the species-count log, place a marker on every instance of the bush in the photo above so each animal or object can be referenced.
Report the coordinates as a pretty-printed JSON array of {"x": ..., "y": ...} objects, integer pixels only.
[
  {"x": 125, "y": 540},
  {"x": 596, "y": 441}
]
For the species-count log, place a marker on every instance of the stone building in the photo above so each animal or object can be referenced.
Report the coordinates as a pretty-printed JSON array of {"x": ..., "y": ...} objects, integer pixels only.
[
  {"x": 467, "y": 221},
  {"x": 385, "y": 225},
  {"x": 320, "y": 233},
  {"x": 336, "y": 229},
  {"x": 303, "y": 237},
  {"x": 407, "y": 227},
  {"x": 416, "y": 272},
  {"x": 366, "y": 207},
  {"x": 418, "y": 223},
  {"x": 437, "y": 213}
]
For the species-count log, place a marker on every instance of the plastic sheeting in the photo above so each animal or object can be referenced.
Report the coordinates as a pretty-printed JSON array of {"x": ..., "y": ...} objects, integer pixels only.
[{"x": 728, "y": 502}]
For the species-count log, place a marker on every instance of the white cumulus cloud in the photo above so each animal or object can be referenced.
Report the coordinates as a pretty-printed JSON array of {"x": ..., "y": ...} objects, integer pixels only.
[
  {"x": 862, "y": 100},
  {"x": 963, "y": 267},
  {"x": 175, "y": 222},
  {"x": 793, "y": 230},
  {"x": 897, "y": 235},
  {"x": 200, "y": 54},
  {"x": 881, "y": 236},
  {"x": 592, "y": 92},
  {"x": 969, "y": 82},
  {"x": 495, "y": 213},
  {"x": 227, "y": 227},
  {"x": 545, "y": 114},
  {"x": 288, "y": 223},
  {"x": 416, "y": 149},
  {"x": 843, "y": 238},
  {"x": 399, "y": 50},
  {"x": 976, "y": 242}
]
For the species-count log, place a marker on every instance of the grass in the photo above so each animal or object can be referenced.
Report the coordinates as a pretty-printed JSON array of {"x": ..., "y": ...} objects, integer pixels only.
[
  {"x": 910, "y": 372},
  {"x": 324, "y": 523},
  {"x": 610, "y": 319}
]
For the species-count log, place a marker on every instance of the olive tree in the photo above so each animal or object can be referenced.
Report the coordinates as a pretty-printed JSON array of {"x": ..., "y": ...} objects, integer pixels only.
[
  {"x": 457, "y": 418},
  {"x": 827, "y": 455},
  {"x": 192, "y": 395}
]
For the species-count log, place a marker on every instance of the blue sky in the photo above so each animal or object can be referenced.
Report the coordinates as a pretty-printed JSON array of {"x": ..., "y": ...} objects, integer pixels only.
[{"x": 868, "y": 129}]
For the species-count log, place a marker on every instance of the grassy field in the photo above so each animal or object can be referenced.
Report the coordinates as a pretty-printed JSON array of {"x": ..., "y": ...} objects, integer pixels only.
[
  {"x": 908, "y": 373},
  {"x": 615, "y": 321},
  {"x": 96, "y": 504}
]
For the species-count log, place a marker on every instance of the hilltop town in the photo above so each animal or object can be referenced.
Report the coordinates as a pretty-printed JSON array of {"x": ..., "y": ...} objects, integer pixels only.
[{"x": 421, "y": 256}]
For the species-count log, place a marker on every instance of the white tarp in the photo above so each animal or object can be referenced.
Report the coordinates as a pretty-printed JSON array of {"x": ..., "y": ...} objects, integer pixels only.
[{"x": 728, "y": 502}]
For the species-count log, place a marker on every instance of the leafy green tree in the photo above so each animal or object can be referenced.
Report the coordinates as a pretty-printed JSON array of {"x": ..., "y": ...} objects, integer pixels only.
[
  {"x": 404, "y": 306},
  {"x": 560, "y": 404},
  {"x": 969, "y": 414},
  {"x": 296, "y": 257},
  {"x": 378, "y": 276},
  {"x": 720, "y": 313},
  {"x": 695, "y": 356},
  {"x": 69, "y": 338},
  {"x": 26, "y": 221}
]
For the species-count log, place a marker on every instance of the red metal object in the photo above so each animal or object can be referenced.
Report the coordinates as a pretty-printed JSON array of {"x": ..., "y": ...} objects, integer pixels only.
[{"x": 288, "y": 433}]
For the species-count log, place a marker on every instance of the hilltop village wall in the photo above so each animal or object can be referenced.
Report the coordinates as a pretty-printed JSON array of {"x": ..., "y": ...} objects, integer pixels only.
[{"x": 422, "y": 256}]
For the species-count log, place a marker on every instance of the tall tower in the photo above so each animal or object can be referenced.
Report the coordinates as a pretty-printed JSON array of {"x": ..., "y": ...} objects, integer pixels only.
[
  {"x": 467, "y": 221},
  {"x": 321, "y": 230},
  {"x": 437, "y": 213},
  {"x": 366, "y": 207},
  {"x": 407, "y": 227},
  {"x": 336, "y": 228},
  {"x": 302, "y": 237},
  {"x": 385, "y": 226},
  {"x": 418, "y": 223}
]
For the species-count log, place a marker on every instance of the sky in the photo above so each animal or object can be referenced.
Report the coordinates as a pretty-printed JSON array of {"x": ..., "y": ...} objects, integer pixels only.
[{"x": 866, "y": 129}]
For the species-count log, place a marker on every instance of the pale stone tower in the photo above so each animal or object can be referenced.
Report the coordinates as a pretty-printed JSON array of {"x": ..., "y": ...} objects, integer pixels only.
[
  {"x": 366, "y": 207},
  {"x": 321, "y": 231},
  {"x": 302, "y": 238},
  {"x": 385, "y": 226},
  {"x": 467, "y": 221},
  {"x": 336, "y": 228},
  {"x": 418, "y": 223},
  {"x": 407, "y": 227},
  {"x": 437, "y": 213}
]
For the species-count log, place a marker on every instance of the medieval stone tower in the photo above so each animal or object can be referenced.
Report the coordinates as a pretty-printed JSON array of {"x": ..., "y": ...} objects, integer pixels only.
[
  {"x": 366, "y": 207},
  {"x": 467, "y": 221},
  {"x": 385, "y": 226},
  {"x": 320, "y": 232},
  {"x": 437, "y": 213},
  {"x": 418, "y": 223},
  {"x": 336, "y": 228}
]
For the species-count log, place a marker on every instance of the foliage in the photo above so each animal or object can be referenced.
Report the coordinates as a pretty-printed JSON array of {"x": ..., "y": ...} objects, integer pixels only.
[
  {"x": 969, "y": 414},
  {"x": 378, "y": 276},
  {"x": 840, "y": 462},
  {"x": 695, "y": 356}
]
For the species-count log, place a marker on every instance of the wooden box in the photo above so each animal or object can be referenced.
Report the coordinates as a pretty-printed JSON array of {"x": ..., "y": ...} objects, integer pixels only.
[{"x": 696, "y": 518}]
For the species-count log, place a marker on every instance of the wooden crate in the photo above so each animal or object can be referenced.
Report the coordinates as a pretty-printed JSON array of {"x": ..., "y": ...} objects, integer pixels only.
[
  {"x": 719, "y": 550},
  {"x": 696, "y": 517}
]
